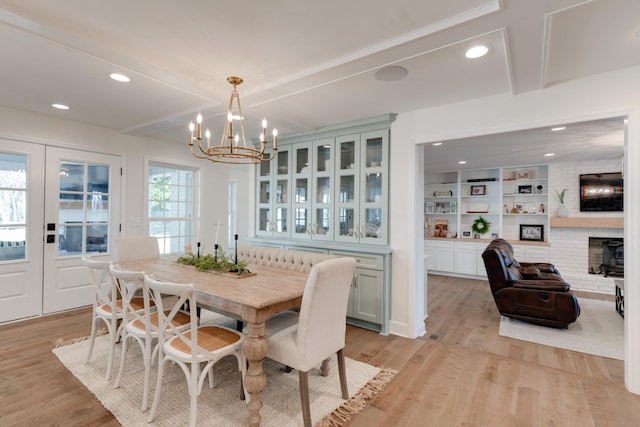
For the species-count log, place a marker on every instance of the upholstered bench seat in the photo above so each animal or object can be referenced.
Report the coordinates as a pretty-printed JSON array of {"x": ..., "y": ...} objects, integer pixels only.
[{"x": 280, "y": 258}]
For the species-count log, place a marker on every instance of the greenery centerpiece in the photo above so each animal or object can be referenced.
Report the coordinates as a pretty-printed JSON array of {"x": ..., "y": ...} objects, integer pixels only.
[
  {"x": 480, "y": 226},
  {"x": 222, "y": 263}
]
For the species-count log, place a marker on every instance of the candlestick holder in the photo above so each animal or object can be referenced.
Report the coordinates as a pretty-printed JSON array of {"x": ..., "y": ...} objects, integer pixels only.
[
  {"x": 215, "y": 252},
  {"x": 235, "y": 237},
  {"x": 198, "y": 245}
]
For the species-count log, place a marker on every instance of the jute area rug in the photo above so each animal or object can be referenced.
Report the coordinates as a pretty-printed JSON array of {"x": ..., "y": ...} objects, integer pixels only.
[
  {"x": 221, "y": 406},
  {"x": 599, "y": 330}
]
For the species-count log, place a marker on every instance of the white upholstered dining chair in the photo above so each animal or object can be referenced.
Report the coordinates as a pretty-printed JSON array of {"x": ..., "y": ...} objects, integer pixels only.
[
  {"x": 189, "y": 348},
  {"x": 132, "y": 248},
  {"x": 106, "y": 307},
  {"x": 304, "y": 340}
]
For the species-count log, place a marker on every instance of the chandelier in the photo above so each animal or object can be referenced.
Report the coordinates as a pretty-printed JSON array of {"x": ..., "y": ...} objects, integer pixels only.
[{"x": 231, "y": 149}]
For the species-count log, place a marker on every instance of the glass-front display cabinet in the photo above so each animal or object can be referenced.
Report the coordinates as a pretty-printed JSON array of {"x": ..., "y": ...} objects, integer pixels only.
[
  {"x": 273, "y": 195},
  {"x": 362, "y": 187},
  {"x": 312, "y": 176}
]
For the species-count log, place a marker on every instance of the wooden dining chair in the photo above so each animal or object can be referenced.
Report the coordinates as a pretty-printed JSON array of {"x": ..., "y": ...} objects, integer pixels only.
[
  {"x": 304, "y": 340},
  {"x": 189, "y": 348},
  {"x": 132, "y": 248},
  {"x": 141, "y": 323},
  {"x": 106, "y": 307}
]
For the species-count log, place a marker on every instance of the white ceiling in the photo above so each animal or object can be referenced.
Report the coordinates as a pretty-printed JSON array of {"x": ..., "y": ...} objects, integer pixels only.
[{"x": 305, "y": 64}]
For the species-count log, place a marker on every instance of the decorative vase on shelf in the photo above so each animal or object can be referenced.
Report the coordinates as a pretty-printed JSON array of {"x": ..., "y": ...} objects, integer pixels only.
[{"x": 562, "y": 212}]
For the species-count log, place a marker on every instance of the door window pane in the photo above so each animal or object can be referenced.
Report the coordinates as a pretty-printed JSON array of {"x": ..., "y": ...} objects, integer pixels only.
[
  {"x": 83, "y": 208},
  {"x": 13, "y": 206}
]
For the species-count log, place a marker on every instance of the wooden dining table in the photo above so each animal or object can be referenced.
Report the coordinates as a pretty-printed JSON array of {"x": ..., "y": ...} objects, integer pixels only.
[{"x": 253, "y": 299}]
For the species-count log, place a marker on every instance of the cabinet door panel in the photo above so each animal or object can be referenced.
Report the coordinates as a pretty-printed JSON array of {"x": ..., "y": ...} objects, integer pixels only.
[{"x": 367, "y": 299}]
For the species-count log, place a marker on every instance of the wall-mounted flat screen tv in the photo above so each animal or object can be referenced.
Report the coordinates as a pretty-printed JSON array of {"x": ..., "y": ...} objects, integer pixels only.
[{"x": 601, "y": 192}]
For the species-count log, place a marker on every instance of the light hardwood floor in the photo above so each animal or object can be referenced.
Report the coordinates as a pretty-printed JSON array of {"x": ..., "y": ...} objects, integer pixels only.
[{"x": 461, "y": 373}]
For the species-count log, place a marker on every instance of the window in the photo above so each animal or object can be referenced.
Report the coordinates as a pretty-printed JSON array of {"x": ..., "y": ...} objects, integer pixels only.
[{"x": 172, "y": 206}]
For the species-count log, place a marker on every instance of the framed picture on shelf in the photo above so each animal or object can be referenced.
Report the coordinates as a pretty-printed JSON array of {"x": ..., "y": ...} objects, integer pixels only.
[
  {"x": 532, "y": 232},
  {"x": 525, "y": 189},
  {"x": 478, "y": 190},
  {"x": 522, "y": 175},
  {"x": 494, "y": 235},
  {"x": 466, "y": 234},
  {"x": 429, "y": 207}
]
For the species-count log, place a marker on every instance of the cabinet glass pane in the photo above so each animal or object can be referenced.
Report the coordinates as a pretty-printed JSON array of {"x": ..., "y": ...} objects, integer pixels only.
[
  {"x": 347, "y": 188},
  {"x": 282, "y": 189},
  {"x": 283, "y": 163},
  {"x": 265, "y": 218},
  {"x": 265, "y": 168},
  {"x": 301, "y": 220},
  {"x": 347, "y": 155},
  {"x": 323, "y": 218},
  {"x": 346, "y": 221},
  {"x": 301, "y": 190},
  {"x": 324, "y": 190},
  {"x": 374, "y": 220},
  {"x": 373, "y": 152},
  {"x": 281, "y": 220},
  {"x": 373, "y": 187},
  {"x": 302, "y": 160},
  {"x": 323, "y": 157},
  {"x": 265, "y": 192}
]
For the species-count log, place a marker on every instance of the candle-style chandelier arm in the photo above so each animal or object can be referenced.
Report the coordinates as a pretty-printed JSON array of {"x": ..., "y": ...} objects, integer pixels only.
[{"x": 229, "y": 150}]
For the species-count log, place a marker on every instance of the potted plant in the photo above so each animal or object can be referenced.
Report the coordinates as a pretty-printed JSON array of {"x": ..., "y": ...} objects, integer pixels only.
[
  {"x": 480, "y": 226},
  {"x": 562, "y": 211}
]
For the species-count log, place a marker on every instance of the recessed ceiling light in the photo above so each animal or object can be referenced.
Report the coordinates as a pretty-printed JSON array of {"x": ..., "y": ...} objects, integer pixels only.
[
  {"x": 60, "y": 106},
  {"x": 549, "y": 154},
  {"x": 437, "y": 143},
  {"x": 477, "y": 51},
  {"x": 462, "y": 162},
  {"x": 120, "y": 77},
  {"x": 391, "y": 73},
  {"x": 556, "y": 129}
]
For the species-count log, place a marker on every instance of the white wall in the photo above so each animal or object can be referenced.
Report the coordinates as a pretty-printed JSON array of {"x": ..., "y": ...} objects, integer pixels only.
[
  {"x": 20, "y": 126},
  {"x": 612, "y": 94}
]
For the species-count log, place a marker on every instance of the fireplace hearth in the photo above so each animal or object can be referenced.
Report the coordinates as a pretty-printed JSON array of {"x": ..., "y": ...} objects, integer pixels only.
[{"x": 606, "y": 256}]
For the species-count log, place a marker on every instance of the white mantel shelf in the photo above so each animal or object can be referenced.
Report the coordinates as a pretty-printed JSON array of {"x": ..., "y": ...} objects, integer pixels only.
[{"x": 587, "y": 222}]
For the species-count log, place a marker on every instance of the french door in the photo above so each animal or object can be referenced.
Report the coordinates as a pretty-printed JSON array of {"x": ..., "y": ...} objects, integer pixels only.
[
  {"x": 55, "y": 206},
  {"x": 21, "y": 232},
  {"x": 82, "y": 216}
]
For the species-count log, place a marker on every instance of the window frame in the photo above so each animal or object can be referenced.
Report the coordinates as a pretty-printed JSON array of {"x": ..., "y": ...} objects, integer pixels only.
[{"x": 188, "y": 240}]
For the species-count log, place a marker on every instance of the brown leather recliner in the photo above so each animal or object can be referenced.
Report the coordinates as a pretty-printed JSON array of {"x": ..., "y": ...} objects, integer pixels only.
[{"x": 530, "y": 292}]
